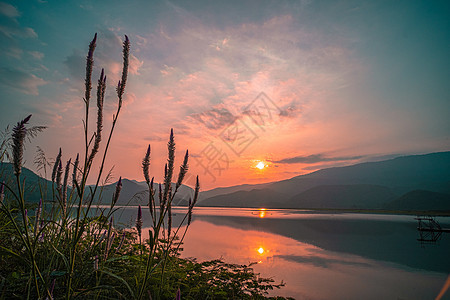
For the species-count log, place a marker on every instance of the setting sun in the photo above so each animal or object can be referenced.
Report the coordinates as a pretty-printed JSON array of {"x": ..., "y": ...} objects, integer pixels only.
[
  {"x": 261, "y": 165},
  {"x": 261, "y": 250}
]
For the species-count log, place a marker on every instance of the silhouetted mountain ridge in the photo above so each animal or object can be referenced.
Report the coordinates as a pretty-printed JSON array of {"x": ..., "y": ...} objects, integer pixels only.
[
  {"x": 34, "y": 184},
  {"x": 133, "y": 192},
  {"x": 343, "y": 196},
  {"x": 365, "y": 185},
  {"x": 382, "y": 184},
  {"x": 254, "y": 198},
  {"x": 414, "y": 200}
]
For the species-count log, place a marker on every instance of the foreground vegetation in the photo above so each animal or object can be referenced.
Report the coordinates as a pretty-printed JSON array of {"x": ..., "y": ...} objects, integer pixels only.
[{"x": 58, "y": 249}]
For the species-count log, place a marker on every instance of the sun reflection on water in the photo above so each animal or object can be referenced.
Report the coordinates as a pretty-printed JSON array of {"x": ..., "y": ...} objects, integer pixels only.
[{"x": 262, "y": 212}]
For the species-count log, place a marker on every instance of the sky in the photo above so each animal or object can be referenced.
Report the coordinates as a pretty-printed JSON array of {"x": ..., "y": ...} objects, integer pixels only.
[{"x": 299, "y": 85}]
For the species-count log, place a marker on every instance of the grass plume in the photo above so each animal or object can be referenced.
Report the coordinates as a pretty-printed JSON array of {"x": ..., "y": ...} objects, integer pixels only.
[{"x": 18, "y": 137}]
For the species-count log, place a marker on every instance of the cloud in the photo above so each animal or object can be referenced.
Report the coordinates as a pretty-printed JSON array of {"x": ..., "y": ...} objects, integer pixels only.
[
  {"x": 314, "y": 158},
  {"x": 135, "y": 65},
  {"x": 290, "y": 111},
  {"x": 215, "y": 118},
  {"x": 232, "y": 65},
  {"x": 153, "y": 139},
  {"x": 36, "y": 54},
  {"x": 13, "y": 51},
  {"x": 8, "y": 10},
  {"x": 75, "y": 65},
  {"x": 24, "y": 82},
  {"x": 9, "y": 25},
  {"x": 11, "y": 31}
]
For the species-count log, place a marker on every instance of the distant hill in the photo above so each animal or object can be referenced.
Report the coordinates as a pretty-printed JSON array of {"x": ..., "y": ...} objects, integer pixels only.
[
  {"x": 403, "y": 174},
  {"x": 343, "y": 196},
  {"x": 400, "y": 183},
  {"x": 134, "y": 193},
  {"x": 227, "y": 190},
  {"x": 31, "y": 179},
  {"x": 364, "y": 185},
  {"x": 254, "y": 198},
  {"x": 421, "y": 200}
]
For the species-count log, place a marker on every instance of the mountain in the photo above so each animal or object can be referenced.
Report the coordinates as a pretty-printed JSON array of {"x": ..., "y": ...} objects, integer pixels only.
[
  {"x": 33, "y": 182},
  {"x": 421, "y": 200},
  {"x": 227, "y": 190},
  {"x": 402, "y": 174},
  {"x": 364, "y": 185},
  {"x": 134, "y": 193},
  {"x": 342, "y": 196},
  {"x": 254, "y": 198},
  {"x": 399, "y": 183}
]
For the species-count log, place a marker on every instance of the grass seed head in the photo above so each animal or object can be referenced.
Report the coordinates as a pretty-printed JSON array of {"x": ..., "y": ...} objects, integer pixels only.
[
  {"x": 145, "y": 165},
  {"x": 18, "y": 136},
  {"x": 89, "y": 66},
  {"x": 55, "y": 167}
]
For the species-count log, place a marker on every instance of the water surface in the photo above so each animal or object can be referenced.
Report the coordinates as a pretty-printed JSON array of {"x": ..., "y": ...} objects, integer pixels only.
[{"x": 323, "y": 255}]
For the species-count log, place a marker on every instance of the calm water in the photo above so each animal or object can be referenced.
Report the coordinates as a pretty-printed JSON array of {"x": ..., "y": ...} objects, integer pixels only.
[{"x": 322, "y": 256}]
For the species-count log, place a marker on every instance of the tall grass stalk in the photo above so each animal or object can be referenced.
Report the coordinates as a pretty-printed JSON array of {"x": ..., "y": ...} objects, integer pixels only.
[
  {"x": 166, "y": 198},
  {"x": 80, "y": 221}
]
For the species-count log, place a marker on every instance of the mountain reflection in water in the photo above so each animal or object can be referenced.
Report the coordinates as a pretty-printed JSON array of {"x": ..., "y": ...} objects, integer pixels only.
[{"x": 323, "y": 255}]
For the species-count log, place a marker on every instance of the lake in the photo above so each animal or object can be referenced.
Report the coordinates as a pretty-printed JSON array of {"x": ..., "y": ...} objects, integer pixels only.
[{"x": 322, "y": 255}]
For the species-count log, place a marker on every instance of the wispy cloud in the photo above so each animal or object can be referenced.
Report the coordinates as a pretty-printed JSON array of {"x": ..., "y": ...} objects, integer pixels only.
[
  {"x": 15, "y": 31},
  {"x": 21, "y": 81},
  {"x": 215, "y": 118},
  {"x": 13, "y": 51},
  {"x": 10, "y": 26},
  {"x": 8, "y": 10},
  {"x": 200, "y": 72},
  {"x": 36, "y": 55}
]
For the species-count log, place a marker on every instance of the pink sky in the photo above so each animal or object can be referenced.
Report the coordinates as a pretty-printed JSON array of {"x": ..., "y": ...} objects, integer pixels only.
[{"x": 341, "y": 82}]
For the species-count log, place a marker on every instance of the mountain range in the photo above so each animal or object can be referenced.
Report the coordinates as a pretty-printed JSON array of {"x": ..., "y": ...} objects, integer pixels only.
[
  {"x": 415, "y": 182},
  {"x": 132, "y": 193}
]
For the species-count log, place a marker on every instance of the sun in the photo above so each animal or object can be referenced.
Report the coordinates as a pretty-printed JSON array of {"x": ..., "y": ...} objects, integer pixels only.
[{"x": 261, "y": 165}]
